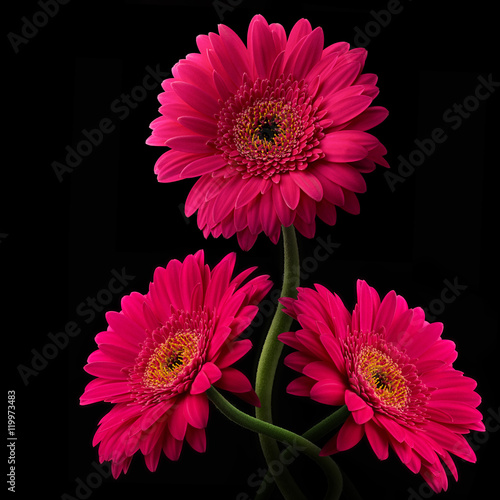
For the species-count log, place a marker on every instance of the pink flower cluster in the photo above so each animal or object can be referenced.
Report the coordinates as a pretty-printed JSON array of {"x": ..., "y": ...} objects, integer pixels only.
[{"x": 275, "y": 130}]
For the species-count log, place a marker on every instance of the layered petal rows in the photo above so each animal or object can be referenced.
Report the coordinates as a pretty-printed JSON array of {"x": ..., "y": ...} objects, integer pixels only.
[
  {"x": 393, "y": 371},
  {"x": 163, "y": 350},
  {"x": 275, "y": 130}
]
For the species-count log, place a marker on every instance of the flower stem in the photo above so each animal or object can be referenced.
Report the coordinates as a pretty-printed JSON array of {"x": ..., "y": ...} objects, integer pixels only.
[
  {"x": 300, "y": 443},
  {"x": 327, "y": 425},
  {"x": 269, "y": 358},
  {"x": 313, "y": 434}
]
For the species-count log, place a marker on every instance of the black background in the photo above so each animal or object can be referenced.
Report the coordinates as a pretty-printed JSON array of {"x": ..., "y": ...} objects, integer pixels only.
[{"x": 61, "y": 240}]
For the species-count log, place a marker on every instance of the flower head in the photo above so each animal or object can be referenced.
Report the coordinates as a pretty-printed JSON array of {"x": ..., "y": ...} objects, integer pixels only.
[
  {"x": 163, "y": 350},
  {"x": 393, "y": 371},
  {"x": 275, "y": 130}
]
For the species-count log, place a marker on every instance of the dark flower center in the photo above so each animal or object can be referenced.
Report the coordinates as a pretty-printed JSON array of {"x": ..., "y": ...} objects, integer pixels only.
[
  {"x": 269, "y": 128},
  {"x": 267, "y": 131},
  {"x": 385, "y": 377},
  {"x": 170, "y": 356}
]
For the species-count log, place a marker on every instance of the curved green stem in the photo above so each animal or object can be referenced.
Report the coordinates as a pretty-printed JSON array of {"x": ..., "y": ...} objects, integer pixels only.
[
  {"x": 313, "y": 434},
  {"x": 327, "y": 425},
  {"x": 300, "y": 443},
  {"x": 269, "y": 358}
]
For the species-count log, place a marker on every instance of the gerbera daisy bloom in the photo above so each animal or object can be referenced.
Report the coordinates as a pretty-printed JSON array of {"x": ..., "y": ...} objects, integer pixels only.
[
  {"x": 276, "y": 130},
  {"x": 163, "y": 350},
  {"x": 393, "y": 371}
]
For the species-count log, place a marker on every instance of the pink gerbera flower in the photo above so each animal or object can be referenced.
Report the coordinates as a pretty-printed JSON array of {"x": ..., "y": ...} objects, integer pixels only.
[
  {"x": 163, "y": 350},
  {"x": 276, "y": 130},
  {"x": 393, "y": 371}
]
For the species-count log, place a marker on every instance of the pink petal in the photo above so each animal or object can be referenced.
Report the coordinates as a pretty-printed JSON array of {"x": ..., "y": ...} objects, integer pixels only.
[
  {"x": 361, "y": 412},
  {"x": 298, "y": 360},
  {"x": 235, "y": 351},
  {"x": 201, "y": 166},
  {"x": 344, "y": 175},
  {"x": 349, "y": 435},
  {"x": 333, "y": 348},
  {"x": 365, "y": 307},
  {"x": 197, "y": 98},
  {"x": 268, "y": 218},
  {"x": 221, "y": 87},
  {"x": 196, "y": 439},
  {"x": 284, "y": 213},
  {"x": 106, "y": 369},
  {"x": 420, "y": 341},
  {"x": 340, "y": 77},
  {"x": 235, "y": 46},
  {"x": 153, "y": 458},
  {"x": 347, "y": 109},
  {"x": 196, "y": 410},
  {"x": 226, "y": 204},
  {"x": 309, "y": 54},
  {"x": 202, "y": 126},
  {"x": 308, "y": 183},
  {"x": 296, "y": 39},
  {"x": 172, "y": 447},
  {"x": 170, "y": 165},
  {"x": 299, "y": 30},
  {"x": 320, "y": 370},
  {"x": 300, "y": 386},
  {"x": 189, "y": 144},
  {"x": 312, "y": 343},
  {"x": 388, "y": 423},
  {"x": 233, "y": 380},
  {"x": 289, "y": 338},
  {"x": 386, "y": 311},
  {"x": 195, "y": 75},
  {"x": 377, "y": 440},
  {"x": 208, "y": 375},
  {"x": 226, "y": 59},
  {"x": 177, "y": 423},
  {"x": 328, "y": 392},
  {"x": 290, "y": 191},
  {"x": 113, "y": 354},
  {"x": 340, "y": 148},
  {"x": 370, "y": 118},
  {"x": 327, "y": 212},
  {"x": 125, "y": 327},
  {"x": 261, "y": 45},
  {"x": 250, "y": 188},
  {"x": 105, "y": 392}
]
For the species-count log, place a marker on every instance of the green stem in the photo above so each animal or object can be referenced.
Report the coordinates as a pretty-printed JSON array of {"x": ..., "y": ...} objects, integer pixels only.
[
  {"x": 327, "y": 425},
  {"x": 269, "y": 358},
  {"x": 313, "y": 434},
  {"x": 328, "y": 466}
]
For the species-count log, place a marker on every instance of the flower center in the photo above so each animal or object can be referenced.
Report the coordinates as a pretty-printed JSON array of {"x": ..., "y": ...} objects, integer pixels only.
[
  {"x": 171, "y": 356},
  {"x": 169, "y": 359},
  {"x": 269, "y": 128},
  {"x": 267, "y": 131},
  {"x": 384, "y": 376}
]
